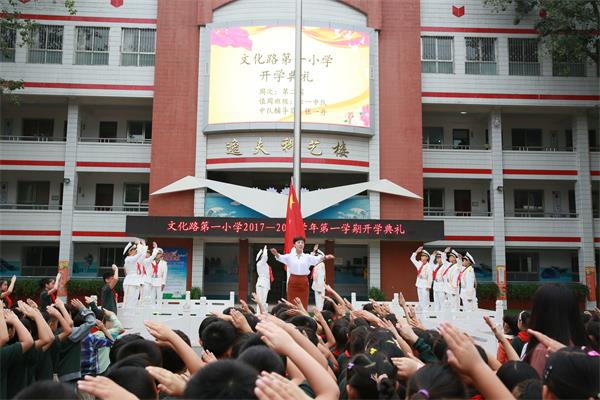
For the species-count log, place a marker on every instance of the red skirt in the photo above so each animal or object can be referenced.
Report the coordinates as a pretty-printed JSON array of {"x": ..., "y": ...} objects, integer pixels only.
[{"x": 298, "y": 287}]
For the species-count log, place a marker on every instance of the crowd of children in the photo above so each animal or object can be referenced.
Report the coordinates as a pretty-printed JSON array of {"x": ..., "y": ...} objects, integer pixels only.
[{"x": 79, "y": 350}]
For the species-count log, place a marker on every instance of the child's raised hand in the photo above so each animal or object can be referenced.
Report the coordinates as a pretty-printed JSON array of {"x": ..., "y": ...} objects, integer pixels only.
[
  {"x": 169, "y": 383},
  {"x": 160, "y": 332},
  {"x": 240, "y": 322},
  {"x": 551, "y": 344},
  {"x": 13, "y": 279},
  {"x": 77, "y": 304},
  {"x": 53, "y": 311},
  {"x": 275, "y": 337},
  {"x": 32, "y": 303},
  {"x": 208, "y": 357},
  {"x": 275, "y": 387},
  {"x": 245, "y": 307},
  {"x": 59, "y": 303},
  {"x": 406, "y": 367},
  {"x": 462, "y": 353},
  {"x": 104, "y": 388}
]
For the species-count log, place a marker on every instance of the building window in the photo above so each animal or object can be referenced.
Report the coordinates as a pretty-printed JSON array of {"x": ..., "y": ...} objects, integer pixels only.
[
  {"x": 39, "y": 261},
  {"x": 593, "y": 140},
  {"x": 8, "y": 41},
  {"x": 33, "y": 195},
  {"x": 136, "y": 197},
  {"x": 108, "y": 257},
  {"x": 523, "y": 57},
  {"x": 527, "y": 139},
  {"x": 351, "y": 270},
  {"x": 91, "y": 46},
  {"x": 437, "y": 54},
  {"x": 566, "y": 66},
  {"x": 529, "y": 203},
  {"x": 36, "y": 128},
  {"x": 481, "y": 56},
  {"x": 433, "y": 137},
  {"x": 596, "y": 203},
  {"x": 139, "y": 131},
  {"x": 46, "y": 45},
  {"x": 138, "y": 47},
  {"x": 433, "y": 201},
  {"x": 522, "y": 266},
  {"x": 460, "y": 139}
]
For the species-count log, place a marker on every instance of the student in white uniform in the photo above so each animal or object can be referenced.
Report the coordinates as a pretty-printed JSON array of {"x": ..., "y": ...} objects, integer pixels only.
[
  {"x": 158, "y": 277},
  {"x": 466, "y": 281},
  {"x": 146, "y": 278},
  {"x": 423, "y": 282},
  {"x": 451, "y": 274},
  {"x": 131, "y": 284},
  {"x": 318, "y": 284},
  {"x": 263, "y": 282},
  {"x": 438, "y": 268}
]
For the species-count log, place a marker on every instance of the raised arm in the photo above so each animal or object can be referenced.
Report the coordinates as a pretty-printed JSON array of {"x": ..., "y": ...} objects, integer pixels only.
[
  {"x": 115, "y": 277},
  {"x": 56, "y": 284},
  {"x": 82, "y": 330},
  {"x": 45, "y": 335},
  {"x": 66, "y": 327},
  {"x": 163, "y": 333},
  {"x": 3, "y": 328},
  {"x": 11, "y": 287},
  {"x": 66, "y": 315},
  {"x": 413, "y": 257},
  {"x": 22, "y": 333}
]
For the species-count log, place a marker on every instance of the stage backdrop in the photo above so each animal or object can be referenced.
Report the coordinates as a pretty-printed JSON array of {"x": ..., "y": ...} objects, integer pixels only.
[
  {"x": 177, "y": 264},
  {"x": 252, "y": 75}
]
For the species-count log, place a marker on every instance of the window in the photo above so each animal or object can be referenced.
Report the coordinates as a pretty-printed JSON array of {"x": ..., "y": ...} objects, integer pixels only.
[
  {"x": 433, "y": 137},
  {"x": 351, "y": 270},
  {"x": 46, "y": 45},
  {"x": 522, "y": 266},
  {"x": 596, "y": 203},
  {"x": 460, "y": 139},
  {"x": 39, "y": 260},
  {"x": 433, "y": 201},
  {"x": 593, "y": 140},
  {"x": 567, "y": 66},
  {"x": 139, "y": 131},
  {"x": 108, "y": 257},
  {"x": 138, "y": 47},
  {"x": 37, "y": 128},
  {"x": 481, "y": 56},
  {"x": 33, "y": 195},
  {"x": 526, "y": 139},
  {"x": 136, "y": 197},
  {"x": 437, "y": 55},
  {"x": 8, "y": 44},
  {"x": 529, "y": 203},
  {"x": 91, "y": 46},
  {"x": 107, "y": 130},
  {"x": 523, "y": 57}
]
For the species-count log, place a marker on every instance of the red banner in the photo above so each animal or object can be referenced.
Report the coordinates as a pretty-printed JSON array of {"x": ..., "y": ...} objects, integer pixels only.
[
  {"x": 293, "y": 221},
  {"x": 590, "y": 281}
]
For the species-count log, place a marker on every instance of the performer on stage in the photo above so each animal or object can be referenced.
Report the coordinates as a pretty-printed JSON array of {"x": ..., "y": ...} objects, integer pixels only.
[
  {"x": 423, "y": 282},
  {"x": 133, "y": 272},
  {"x": 318, "y": 285},
  {"x": 298, "y": 265},
  {"x": 158, "y": 277},
  {"x": 146, "y": 278},
  {"x": 265, "y": 275},
  {"x": 466, "y": 281},
  {"x": 439, "y": 266},
  {"x": 6, "y": 290},
  {"x": 452, "y": 292}
]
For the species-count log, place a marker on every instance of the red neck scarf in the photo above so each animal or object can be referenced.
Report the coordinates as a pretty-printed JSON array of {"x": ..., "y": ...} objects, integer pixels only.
[
  {"x": 523, "y": 336},
  {"x": 436, "y": 271},
  {"x": 116, "y": 296},
  {"x": 53, "y": 297},
  {"x": 460, "y": 276},
  {"x": 271, "y": 276},
  {"x": 8, "y": 302},
  {"x": 423, "y": 264},
  {"x": 140, "y": 269},
  {"x": 155, "y": 269}
]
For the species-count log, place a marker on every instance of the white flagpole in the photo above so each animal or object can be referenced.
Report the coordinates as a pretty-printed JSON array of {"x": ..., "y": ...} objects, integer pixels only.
[{"x": 298, "y": 98}]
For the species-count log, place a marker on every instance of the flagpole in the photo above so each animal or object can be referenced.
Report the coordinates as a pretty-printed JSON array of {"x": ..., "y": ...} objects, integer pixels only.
[{"x": 298, "y": 98}]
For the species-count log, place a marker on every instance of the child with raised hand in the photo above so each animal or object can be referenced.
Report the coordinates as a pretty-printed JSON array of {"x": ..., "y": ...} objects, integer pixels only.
[
  {"x": 6, "y": 290},
  {"x": 165, "y": 335},
  {"x": 103, "y": 388},
  {"x": 49, "y": 288},
  {"x": 466, "y": 360},
  {"x": 12, "y": 354},
  {"x": 435, "y": 381}
]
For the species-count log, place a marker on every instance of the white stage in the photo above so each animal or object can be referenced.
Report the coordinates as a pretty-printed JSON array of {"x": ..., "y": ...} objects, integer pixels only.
[{"x": 186, "y": 315}]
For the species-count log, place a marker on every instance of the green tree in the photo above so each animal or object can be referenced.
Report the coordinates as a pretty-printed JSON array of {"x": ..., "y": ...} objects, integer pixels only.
[
  {"x": 15, "y": 30},
  {"x": 569, "y": 29}
]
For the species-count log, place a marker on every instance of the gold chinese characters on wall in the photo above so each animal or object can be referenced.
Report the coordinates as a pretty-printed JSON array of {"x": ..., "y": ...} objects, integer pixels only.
[{"x": 339, "y": 150}]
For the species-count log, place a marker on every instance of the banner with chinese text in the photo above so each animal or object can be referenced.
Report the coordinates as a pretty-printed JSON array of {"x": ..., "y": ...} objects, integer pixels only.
[{"x": 177, "y": 267}]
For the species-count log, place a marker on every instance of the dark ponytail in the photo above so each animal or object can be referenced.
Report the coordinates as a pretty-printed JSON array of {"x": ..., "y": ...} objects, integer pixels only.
[{"x": 435, "y": 381}]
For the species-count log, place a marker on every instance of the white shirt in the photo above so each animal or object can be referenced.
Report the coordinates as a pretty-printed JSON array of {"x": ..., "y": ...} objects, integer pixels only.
[
  {"x": 424, "y": 277},
  {"x": 319, "y": 278},
  {"x": 299, "y": 265},
  {"x": 131, "y": 268},
  {"x": 161, "y": 276},
  {"x": 264, "y": 276}
]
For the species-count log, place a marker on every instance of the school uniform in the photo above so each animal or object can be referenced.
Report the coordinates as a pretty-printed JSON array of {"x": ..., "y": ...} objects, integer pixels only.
[
  {"x": 265, "y": 275},
  {"x": 69, "y": 358},
  {"x": 9, "y": 356},
  {"x": 46, "y": 299},
  {"x": 438, "y": 275},
  {"x": 46, "y": 365},
  {"x": 17, "y": 375},
  {"x": 318, "y": 285},
  {"x": 109, "y": 298},
  {"x": 466, "y": 282},
  {"x": 146, "y": 280},
  {"x": 423, "y": 282},
  {"x": 158, "y": 278},
  {"x": 133, "y": 276},
  {"x": 452, "y": 287}
]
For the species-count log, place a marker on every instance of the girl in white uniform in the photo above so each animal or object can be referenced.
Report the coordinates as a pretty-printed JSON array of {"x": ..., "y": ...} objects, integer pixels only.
[
  {"x": 158, "y": 277},
  {"x": 318, "y": 284},
  {"x": 451, "y": 274},
  {"x": 438, "y": 268},
  {"x": 263, "y": 283},
  {"x": 146, "y": 278},
  {"x": 131, "y": 284},
  {"x": 466, "y": 281},
  {"x": 423, "y": 282}
]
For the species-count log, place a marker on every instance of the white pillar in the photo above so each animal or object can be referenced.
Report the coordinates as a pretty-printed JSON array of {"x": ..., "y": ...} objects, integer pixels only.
[
  {"x": 583, "y": 193},
  {"x": 497, "y": 189},
  {"x": 65, "y": 254},
  {"x": 374, "y": 265},
  {"x": 198, "y": 263}
]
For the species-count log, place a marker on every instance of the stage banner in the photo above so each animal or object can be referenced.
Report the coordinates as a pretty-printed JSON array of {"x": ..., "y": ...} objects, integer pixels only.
[{"x": 177, "y": 267}]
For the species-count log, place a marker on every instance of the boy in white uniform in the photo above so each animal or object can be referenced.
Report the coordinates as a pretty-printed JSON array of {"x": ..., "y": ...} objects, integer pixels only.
[
  {"x": 423, "y": 282},
  {"x": 131, "y": 284},
  {"x": 466, "y": 281},
  {"x": 263, "y": 282},
  {"x": 451, "y": 274},
  {"x": 158, "y": 277},
  {"x": 438, "y": 268},
  {"x": 146, "y": 278},
  {"x": 318, "y": 284}
]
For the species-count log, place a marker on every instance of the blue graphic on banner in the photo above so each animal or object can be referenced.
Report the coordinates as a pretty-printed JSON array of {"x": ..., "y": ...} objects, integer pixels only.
[
  {"x": 483, "y": 272},
  {"x": 177, "y": 267},
  {"x": 10, "y": 267},
  {"x": 356, "y": 207},
  {"x": 217, "y": 205},
  {"x": 555, "y": 274}
]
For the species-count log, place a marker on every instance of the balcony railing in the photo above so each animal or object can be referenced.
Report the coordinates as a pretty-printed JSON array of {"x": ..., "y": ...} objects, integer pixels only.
[
  {"x": 121, "y": 208},
  {"x": 456, "y": 147},
  {"x": 440, "y": 212},
  {"x": 30, "y": 207},
  {"x": 539, "y": 214},
  {"x": 539, "y": 148},
  {"x": 32, "y": 139},
  {"x": 128, "y": 140}
]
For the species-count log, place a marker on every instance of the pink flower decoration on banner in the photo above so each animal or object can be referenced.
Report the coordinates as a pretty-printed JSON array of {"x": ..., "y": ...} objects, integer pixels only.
[
  {"x": 365, "y": 116},
  {"x": 117, "y": 3},
  {"x": 351, "y": 39},
  {"x": 234, "y": 37}
]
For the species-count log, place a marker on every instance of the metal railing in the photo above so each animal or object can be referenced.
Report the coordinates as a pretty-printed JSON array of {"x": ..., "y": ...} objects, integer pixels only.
[
  {"x": 455, "y": 147},
  {"x": 440, "y": 212},
  {"x": 539, "y": 214},
  {"x": 128, "y": 140},
  {"x": 30, "y": 207},
  {"x": 538, "y": 148},
  {"x": 120, "y": 208},
  {"x": 13, "y": 138}
]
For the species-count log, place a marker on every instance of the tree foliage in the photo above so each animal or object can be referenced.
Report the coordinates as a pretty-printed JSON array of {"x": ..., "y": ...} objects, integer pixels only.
[{"x": 569, "y": 29}]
